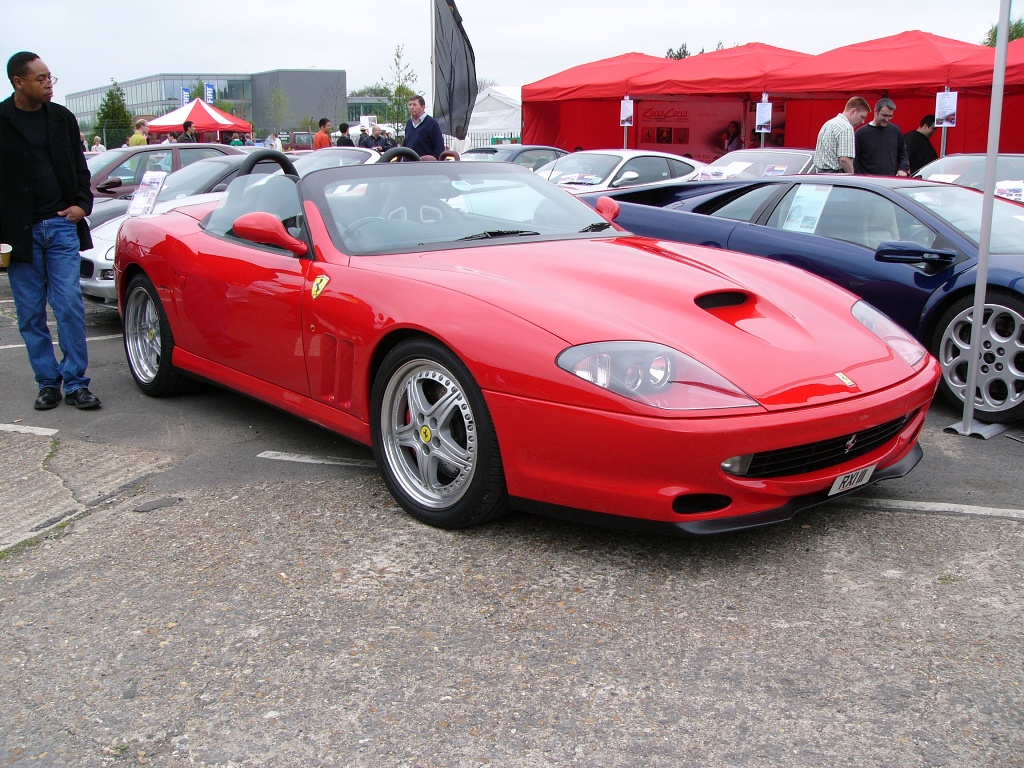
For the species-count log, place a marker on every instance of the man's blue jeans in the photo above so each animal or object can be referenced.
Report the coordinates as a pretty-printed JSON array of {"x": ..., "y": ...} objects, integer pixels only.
[{"x": 52, "y": 276}]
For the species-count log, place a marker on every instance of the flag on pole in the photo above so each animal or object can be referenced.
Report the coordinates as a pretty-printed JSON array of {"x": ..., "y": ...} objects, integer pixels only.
[{"x": 454, "y": 70}]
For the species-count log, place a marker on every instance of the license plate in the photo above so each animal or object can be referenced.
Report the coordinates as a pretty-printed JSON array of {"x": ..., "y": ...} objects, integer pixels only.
[{"x": 851, "y": 480}]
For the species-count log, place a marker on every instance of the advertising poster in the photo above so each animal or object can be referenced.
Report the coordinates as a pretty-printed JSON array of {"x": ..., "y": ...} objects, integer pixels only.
[
  {"x": 185, "y": 96},
  {"x": 144, "y": 197},
  {"x": 945, "y": 109},
  {"x": 763, "y": 117},
  {"x": 626, "y": 112},
  {"x": 688, "y": 128}
]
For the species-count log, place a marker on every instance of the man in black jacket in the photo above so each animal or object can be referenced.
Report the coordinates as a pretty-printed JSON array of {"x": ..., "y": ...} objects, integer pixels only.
[{"x": 44, "y": 199}]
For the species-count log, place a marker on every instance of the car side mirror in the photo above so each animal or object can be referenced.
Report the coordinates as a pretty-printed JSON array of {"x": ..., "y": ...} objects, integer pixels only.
[
  {"x": 108, "y": 184},
  {"x": 625, "y": 178},
  {"x": 608, "y": 208},
  {"x": 266, "y": 229},
  {"x": 909, "y": 252}
]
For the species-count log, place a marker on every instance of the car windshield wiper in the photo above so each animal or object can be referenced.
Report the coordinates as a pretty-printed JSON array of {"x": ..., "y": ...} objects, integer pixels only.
[
  {"x": 500, "y": 233},
  {"x": 597, "y": 226}
]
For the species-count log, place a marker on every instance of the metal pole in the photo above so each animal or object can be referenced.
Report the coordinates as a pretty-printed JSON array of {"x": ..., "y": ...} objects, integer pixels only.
[
  {"x": 994, "y": 118},
  {"x": 942, "y": 150}
]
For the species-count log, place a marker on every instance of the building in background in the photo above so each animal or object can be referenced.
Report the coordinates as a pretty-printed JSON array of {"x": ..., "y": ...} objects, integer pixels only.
[{"x": 308, "y": 94}]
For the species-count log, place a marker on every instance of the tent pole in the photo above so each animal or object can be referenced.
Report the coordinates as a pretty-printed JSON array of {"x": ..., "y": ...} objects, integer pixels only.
[
  {"x": 978, "y": 312},
  {"x": 942, "y": 150}
]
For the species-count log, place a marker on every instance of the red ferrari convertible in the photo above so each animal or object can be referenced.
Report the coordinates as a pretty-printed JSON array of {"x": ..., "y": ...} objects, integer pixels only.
[{"x": 500, "y": 345}]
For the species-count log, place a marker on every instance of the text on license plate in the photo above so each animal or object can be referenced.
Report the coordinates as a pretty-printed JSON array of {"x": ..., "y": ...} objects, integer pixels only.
[{"x": 853, "y": 479}]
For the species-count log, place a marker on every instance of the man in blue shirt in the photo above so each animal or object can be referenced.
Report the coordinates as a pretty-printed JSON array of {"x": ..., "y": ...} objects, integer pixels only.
[{"x": 422, "y": 132}]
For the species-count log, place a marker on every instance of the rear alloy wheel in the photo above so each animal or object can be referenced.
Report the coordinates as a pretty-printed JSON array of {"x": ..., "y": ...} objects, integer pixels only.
[
  {"x": 148, "y": 342},
  {"x": 433, "y": 438},
  {"x": 999, "y": 391}
]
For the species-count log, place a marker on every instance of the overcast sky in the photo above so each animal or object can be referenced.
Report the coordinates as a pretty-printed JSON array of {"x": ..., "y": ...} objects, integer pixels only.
[{"x": 87, "y": 44}]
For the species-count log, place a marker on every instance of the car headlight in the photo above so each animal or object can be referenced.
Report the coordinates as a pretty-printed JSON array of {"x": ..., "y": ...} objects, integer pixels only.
[
  {"x": 652, "y": 374},
  {"x": 899, "y": 341}
]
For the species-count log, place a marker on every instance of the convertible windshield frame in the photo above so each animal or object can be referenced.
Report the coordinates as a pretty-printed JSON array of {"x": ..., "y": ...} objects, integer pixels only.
[{"x": 408, "y": 207}]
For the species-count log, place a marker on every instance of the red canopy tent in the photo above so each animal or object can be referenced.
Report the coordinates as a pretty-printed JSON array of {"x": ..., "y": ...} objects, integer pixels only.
[
  {"x": 608, "y": 78},
  {"x": 910, "y": 67},
  {"x": 909, "y": 61},
  {"x": 743, "y": 69},
  {"x": 206, "y": 117}
]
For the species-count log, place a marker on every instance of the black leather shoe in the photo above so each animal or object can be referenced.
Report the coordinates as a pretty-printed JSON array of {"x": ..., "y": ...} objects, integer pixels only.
[
  {"x": 48, "y": 398},
  {"x": 82, "y": 398}
]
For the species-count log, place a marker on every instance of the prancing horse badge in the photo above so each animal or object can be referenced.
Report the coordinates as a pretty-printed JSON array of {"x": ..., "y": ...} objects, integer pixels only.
[{"x": 321, "y": 282}]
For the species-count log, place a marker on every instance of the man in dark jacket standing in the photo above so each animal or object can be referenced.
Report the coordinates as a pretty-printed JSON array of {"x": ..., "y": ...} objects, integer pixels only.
[
  {"x": 423, "y": 132},
  {"x": 879, "y": 144},
  {"x": 44, "y": 199}
]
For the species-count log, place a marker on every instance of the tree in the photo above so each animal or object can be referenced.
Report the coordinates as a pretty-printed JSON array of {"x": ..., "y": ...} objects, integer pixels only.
[
  {"x": 113, "y": 120},
  {"x": 483, "y": 83},
  {"x": 399, "y": 88},
  {"x": 332, "y": 100},
  {"x": 278, "y": 109},
  {"x": 380, "y": 89},
  {"x": 678, "y": 53},
  {"x": 197, "y": 91},
  {"x": 1016, "y": 32}
]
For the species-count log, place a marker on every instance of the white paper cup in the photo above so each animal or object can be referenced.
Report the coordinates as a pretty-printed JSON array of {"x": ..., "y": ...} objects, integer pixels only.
[{"x": 5, "y": 254}]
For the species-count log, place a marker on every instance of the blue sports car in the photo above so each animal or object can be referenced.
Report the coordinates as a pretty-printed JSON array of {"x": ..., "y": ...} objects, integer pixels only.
[{"x": 909, "y": 247}]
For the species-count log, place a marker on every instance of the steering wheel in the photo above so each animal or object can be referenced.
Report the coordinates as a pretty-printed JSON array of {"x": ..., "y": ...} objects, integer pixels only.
[
  {"x": 255, "y": 158},
  {"x": 359, "y": 224},
  {"x": 398, "y": 154}
]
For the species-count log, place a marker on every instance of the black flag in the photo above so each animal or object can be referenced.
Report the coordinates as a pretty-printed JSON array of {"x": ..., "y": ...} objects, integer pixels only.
[{"x": 454, "y": 70}]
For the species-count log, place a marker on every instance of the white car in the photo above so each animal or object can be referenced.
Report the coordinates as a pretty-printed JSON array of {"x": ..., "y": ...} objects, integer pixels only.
[
  {"x": 759, "y": 163},
  {"x": 597, "y": 169},
  {"x": 200, "y": 181}
]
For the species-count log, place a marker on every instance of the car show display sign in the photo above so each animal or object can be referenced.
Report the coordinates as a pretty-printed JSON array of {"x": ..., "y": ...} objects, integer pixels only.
[
  {"x": 208, "y": 95},
  {"x": 763, "y": 117},
  {"x": 144, "y": 197},
  {"x": 626, "y": 112},
  {"x": 945, "y": 109}
]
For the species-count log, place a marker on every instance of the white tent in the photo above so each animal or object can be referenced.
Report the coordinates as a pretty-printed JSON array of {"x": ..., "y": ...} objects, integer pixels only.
[{"x": 498, "y": 111}]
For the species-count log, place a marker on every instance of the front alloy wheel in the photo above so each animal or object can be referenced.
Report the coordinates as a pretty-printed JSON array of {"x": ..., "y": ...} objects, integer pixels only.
[
  {"x": 433, "y": 438},
  {"x": 999, "y": 391}
]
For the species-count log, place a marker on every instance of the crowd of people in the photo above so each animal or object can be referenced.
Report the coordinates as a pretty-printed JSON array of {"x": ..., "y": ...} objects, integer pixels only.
[{"x": 879, "y": 148}]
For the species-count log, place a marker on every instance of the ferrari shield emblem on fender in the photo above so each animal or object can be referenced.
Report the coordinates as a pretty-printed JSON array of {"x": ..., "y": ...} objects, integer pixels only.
[
  {"x": 319, "y": 284},
  {"x": 841, "y": 376}
]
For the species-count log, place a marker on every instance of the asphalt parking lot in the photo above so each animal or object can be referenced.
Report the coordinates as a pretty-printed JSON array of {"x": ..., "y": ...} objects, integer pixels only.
[{"x": 198, "y": 601}]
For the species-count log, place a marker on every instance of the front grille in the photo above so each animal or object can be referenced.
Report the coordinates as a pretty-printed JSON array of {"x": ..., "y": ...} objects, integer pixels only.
[
  {"x": 824, "y": 454},
  {"x": 85, "y": 269}
]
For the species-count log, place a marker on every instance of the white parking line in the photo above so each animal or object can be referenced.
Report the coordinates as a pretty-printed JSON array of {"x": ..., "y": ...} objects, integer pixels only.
[
  {"x": 44, "y": 431},
  {"x": 937, "y": 508},
  {"x": 307, "y": 459},
  {"x": 92, "y": 338}
]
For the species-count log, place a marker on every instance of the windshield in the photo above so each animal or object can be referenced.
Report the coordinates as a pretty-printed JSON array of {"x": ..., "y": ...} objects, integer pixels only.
[
  {"x": 387, "y": 208},
  {"x": 586, "y": 168},
  {"x": 969, "y": 171},
  {"x": 98, "y": 162},
  {"x": 499, "y": 155},
  {"x": 335, "y": 157},
  {"x": 192, "y": 179},
  {"x": 961, "y": 209},
  {"x": 756, "y": 165}
]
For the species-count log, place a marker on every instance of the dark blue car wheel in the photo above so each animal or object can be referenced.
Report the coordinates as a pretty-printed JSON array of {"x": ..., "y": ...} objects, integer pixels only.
[{"x": 999, "y": 390}]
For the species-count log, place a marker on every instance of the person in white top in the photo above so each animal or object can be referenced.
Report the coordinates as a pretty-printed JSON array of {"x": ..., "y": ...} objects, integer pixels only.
[
  {"x": 272, "y": 142},
  {"x": 97, "y": 145}
]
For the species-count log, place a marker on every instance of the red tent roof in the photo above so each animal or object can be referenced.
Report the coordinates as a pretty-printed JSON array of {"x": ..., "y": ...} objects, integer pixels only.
[
  {"x": 205, "y": 116},
  {"x": 743, "y": 69},
  {"x": 607, "y": 78},
  {"x": 907, "y": 61}
]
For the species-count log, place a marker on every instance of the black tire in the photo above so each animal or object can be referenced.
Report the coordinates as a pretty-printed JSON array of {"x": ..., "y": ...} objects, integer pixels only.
[
  {"x": 148, "y": 342},
  {"x": 999, "y": 394},
  {"x": 433, "y": 438}
]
